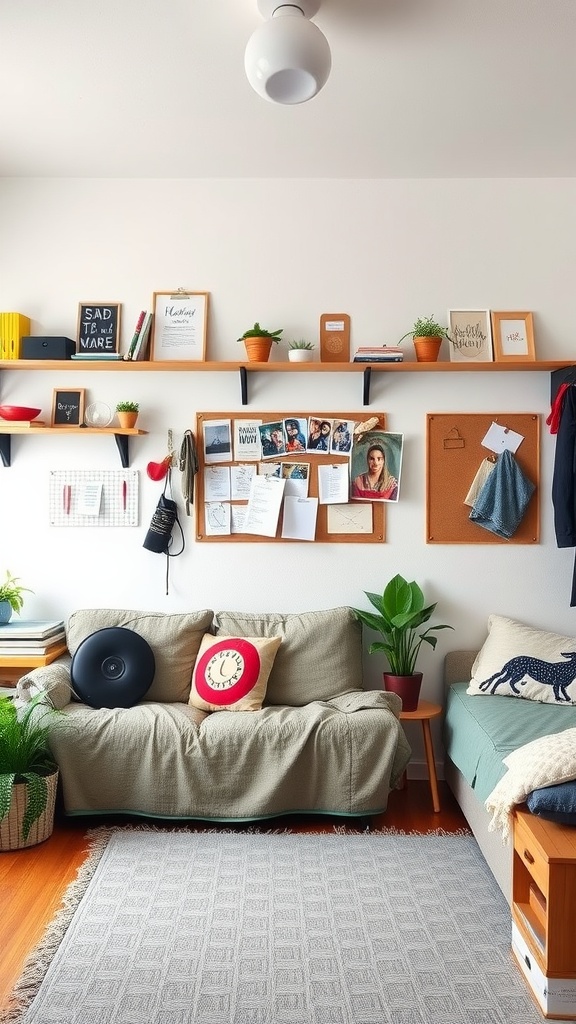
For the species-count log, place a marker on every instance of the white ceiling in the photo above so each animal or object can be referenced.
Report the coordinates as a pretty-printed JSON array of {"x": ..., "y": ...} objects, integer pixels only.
[{"x": 156, "y": 88}]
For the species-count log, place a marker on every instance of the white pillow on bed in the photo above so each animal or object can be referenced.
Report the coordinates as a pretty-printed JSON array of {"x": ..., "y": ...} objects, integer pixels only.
[{"x": 518, "y": 661}]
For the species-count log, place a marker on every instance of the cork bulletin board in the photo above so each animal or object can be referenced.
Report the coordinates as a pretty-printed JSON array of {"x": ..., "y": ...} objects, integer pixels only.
[
  {"x": 453, "y": 455},
  {"x": 332, "y": 520}
]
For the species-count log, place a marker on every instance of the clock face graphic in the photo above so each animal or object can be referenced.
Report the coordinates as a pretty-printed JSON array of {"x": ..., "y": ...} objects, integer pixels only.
[{"x": 227, "y": 671}]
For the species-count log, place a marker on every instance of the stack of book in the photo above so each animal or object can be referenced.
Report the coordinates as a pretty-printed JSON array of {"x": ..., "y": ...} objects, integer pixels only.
[
  {"x": 139, "y": 345},
  {"x": 35, "y": 637},
  {"x": 378, "y": 354}
]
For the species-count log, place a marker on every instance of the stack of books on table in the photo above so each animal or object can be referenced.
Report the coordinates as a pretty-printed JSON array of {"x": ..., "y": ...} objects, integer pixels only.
[
  {"x": 378, "y": 354},
  {"x": 36, "y": 637}
]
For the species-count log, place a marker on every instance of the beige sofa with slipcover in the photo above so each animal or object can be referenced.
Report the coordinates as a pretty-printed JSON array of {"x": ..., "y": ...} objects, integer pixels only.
[{"x": 320, "y": 743}]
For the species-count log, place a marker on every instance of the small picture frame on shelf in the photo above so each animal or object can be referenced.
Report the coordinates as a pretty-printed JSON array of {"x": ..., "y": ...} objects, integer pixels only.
[
  {"x": 470, "y": 336},
  {"x": 68, "y": 407},
  {"x": 180, "y": 320},
  {"x": 513, "y": 335},
  {"x": 98, "y": 327}
]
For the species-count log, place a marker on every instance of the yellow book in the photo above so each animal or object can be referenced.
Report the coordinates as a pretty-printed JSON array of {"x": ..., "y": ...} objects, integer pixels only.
[{"x": 13, "y": 327}]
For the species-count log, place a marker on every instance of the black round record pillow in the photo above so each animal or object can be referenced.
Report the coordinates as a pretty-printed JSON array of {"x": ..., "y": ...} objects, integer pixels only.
[{"x": 112, "y": 668}]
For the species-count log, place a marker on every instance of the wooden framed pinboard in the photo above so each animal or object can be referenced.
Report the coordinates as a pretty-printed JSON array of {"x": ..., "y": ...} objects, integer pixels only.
[
  {"x": 454, "y": 452},
  {"x": 335, "y": 524}
]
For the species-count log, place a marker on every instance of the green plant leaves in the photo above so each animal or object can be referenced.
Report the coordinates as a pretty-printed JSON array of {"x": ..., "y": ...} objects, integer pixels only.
[{"x": 25, "y": 754}]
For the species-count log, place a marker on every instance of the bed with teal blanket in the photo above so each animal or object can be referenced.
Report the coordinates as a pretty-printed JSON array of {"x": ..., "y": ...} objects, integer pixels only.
[{"x": 478, "y": 732}]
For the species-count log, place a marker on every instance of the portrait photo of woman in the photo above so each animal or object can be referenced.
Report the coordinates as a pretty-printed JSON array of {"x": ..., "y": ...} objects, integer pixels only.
[{"x": 375, "y": 466}]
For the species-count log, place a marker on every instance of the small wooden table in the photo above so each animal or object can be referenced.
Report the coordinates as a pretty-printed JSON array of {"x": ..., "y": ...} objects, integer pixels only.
[
  {"x": 12, "y": 667},
  {"x": 424, "y": 713}
]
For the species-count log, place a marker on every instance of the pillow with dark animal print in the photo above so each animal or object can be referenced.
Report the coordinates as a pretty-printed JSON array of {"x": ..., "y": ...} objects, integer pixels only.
[{"x": 519, "y": 661}]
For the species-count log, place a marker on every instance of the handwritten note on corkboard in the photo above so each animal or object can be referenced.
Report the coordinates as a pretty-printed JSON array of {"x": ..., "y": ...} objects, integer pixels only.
[{"x": 453, "y": 457}]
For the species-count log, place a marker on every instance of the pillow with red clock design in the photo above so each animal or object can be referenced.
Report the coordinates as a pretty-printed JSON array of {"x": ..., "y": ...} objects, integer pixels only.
[{"x": 231, "y": 672}]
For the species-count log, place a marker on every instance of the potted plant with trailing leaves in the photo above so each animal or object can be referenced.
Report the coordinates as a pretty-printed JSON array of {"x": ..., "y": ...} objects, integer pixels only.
[
  {"x": 258, "y": 342},
  {"x": 427, "y": 336},
  {"x": 11, "y": 599},
  {"x": 401, "y": 611},
  {"x": 300, "y": 351},
  {"x": 28, "y": 773},
  {"x": 127, "y": 413}
]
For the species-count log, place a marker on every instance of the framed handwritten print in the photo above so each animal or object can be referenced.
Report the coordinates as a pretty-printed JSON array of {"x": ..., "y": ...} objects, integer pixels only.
[
  {"x": 98, "y": 326},
  {"x": 470, "y": 336},
  {"x": 180, "y": 323},
  {"x": 513, "y": 337}
]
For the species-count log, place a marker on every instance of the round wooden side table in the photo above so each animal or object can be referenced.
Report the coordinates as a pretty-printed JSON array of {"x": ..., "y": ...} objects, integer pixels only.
[{"x": 424, "y": 713}]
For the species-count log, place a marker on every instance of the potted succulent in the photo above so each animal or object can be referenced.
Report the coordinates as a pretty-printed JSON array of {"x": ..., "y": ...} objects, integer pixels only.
[
  {"x": 427, "y": 335},
  {"x": 28, "y": 773},
  {"x": 300, "y": 351},
  {"x": 127, "y": 413},
  {"x": 258, "y": 342},
  {"x": 11, "y": 599},
  {"x": 401, "y": 611}
]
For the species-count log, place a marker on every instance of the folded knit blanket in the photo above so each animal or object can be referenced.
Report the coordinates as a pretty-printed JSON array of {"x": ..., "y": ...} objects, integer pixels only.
[{"x": 543, "y": 762}]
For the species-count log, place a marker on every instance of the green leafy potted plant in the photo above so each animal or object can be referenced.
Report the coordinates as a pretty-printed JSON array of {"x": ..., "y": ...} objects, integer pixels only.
[
  {"x": 127, "y": 413},
  {"x": 401, "y": 611},
  {"x": 258, "y": 342},
  {"x": 427, "y": 336},
  {"x": 28, "y": 773},
  {"x": 11, "y": 599},
  {"x": 300, "y": 351}
]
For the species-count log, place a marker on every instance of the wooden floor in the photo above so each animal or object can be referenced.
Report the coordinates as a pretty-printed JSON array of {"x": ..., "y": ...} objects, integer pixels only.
[{"x": 32, "y": 881}]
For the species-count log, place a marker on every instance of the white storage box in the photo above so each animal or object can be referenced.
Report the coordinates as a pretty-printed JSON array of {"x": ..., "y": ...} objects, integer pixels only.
[{"x": 556, "y": 997}]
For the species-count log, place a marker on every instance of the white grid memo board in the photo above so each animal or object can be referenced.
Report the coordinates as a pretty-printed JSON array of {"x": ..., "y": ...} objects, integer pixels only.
[{"x": 112, "y": 511}]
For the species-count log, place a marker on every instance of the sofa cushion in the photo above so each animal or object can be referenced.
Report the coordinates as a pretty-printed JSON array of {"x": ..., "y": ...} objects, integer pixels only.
[
  {"x": 174, "y": 639},
  {"x": 320, "y": 655},
  {"x": 519, "y": 661},
  {"x": 231, "y": 672}
]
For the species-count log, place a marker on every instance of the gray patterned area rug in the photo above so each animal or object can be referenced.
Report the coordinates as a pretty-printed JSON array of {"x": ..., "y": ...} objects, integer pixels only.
[{"x": 178, "y": 927}]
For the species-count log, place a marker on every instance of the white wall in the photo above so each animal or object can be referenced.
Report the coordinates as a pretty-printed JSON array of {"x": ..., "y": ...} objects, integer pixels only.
[{"x": 283, "y": 252}]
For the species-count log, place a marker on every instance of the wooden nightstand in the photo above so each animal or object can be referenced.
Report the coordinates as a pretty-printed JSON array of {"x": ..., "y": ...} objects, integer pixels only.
[
  {"x": 544, "y": 911},
  {"x": 12, "y": 668},
  {"x": 424, "y": 713}
]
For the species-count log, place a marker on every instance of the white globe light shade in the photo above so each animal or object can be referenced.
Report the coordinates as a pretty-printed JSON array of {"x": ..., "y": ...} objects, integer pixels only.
[{"x": 287, "y": 59}]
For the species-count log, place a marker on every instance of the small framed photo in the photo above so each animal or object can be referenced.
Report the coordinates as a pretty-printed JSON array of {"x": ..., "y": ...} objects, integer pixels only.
[
  {"x": 179, "y": 326},
  {"x": 513, "y": 337},
  {"x": 470, "y": 336},
  {"x": 68, "y": 407}
]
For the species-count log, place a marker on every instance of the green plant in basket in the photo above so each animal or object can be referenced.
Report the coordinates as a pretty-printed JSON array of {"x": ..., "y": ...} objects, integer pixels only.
[
  {"x": 11, "y": 590},
  {"x": 25, "y": 756},
  {"x": 401, "y": 610}
]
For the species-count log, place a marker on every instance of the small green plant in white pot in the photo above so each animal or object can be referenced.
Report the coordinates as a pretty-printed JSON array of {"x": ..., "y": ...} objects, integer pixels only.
[
  {"x": 11, "y": 600},
  {"x": 300, "y": 351}
]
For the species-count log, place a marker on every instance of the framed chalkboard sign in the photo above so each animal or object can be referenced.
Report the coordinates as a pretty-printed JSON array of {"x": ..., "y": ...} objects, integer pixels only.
[
  {"x": 98, "y": 327},
  {"x": 68, "y": 407}
]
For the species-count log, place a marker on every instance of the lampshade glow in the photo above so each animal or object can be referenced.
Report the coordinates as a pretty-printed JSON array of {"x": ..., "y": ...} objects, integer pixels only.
[{"x": 287, "y": 59}]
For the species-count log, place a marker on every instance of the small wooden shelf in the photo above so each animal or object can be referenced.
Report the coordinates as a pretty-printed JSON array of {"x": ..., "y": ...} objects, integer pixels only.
[{"x": 121, "y": 435}]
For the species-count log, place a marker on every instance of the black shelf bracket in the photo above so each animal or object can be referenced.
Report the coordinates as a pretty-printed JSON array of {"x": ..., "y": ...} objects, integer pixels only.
[
  {"x": 367, "y": 377},
  {"x": 5, "y": 448},
  {"x": 123, "y": 448},
  {"x": 243, "y": 385}
]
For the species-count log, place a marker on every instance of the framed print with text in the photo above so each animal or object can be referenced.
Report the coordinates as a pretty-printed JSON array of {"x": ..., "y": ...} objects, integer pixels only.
[
  {"x": 470, "y": 336},
  {"x": 179, "y": 326},
  {"x": 67, "y": 407},
  {"x": 513, "y": 337}
]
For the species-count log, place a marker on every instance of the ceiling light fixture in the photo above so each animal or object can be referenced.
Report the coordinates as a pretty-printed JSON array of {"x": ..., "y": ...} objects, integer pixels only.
[{"x": 287, "y": 59}]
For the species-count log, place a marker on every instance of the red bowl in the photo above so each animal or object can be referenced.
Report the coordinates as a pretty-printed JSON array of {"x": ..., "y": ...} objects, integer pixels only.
[{"x": 18, "y": 412}]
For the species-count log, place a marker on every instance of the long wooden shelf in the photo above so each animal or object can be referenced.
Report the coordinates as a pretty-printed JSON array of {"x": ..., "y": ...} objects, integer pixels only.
[
  {"x": 121, "y": 435},
  {"x": 244, "y": 368}
]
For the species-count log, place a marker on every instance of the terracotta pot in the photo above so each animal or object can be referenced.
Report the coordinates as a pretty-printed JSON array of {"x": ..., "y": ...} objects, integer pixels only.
[
  {"x": 127, "y": 419},
  {"x": 258, "y": 349},
  {"x": 11, "y": 825},
  {"x": 407, "y": 688},
  {"x": 427, "y": 349}
]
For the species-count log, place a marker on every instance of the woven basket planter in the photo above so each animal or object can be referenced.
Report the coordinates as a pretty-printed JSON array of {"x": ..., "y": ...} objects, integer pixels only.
[{"x": 11, "y": 825}]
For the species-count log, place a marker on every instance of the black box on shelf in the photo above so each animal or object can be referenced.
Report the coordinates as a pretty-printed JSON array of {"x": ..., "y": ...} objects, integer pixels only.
[{"x": 48, "y": 348}]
